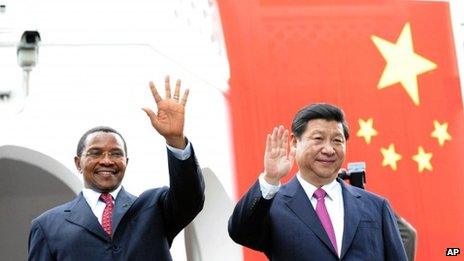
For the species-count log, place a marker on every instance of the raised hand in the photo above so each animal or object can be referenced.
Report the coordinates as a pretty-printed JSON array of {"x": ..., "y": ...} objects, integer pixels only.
[
  {"x": 277, "y": 159},
  {"x": 169, "y": 121}
]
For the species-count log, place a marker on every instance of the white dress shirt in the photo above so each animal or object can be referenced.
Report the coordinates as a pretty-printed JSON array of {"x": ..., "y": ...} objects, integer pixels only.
[
  {"x": 333, "y": 202},
  {"x": 96, "y": 205},
  {"x": 93, "y": 197}
]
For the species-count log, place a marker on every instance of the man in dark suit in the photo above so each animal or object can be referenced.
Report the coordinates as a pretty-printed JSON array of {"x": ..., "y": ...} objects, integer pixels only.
[
  {"x": 105, "y": 222},
  {"x": 315, "y": 216}
]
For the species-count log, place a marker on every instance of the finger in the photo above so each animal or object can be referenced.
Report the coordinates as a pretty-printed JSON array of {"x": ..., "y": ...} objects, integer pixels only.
[
  {"x": 177, "y": 90},
  {"x": 280, "y": 143},
  {"x": 167, "y": 87},
  {"x": 155, "y": 93},
  {"x": 280, "y": 139},
  {"x": 281, "y": 130},
  {"x": 274, "y": 138},
  {"x": 153, "y": 117},
  {"x": 274, "y": 141},
  {"x": 185, "y": 97},
  {"x": 149, "y": 113},
  {"x": 285, "y": 136},
  {"x": 268, "y": 144},
  {"x": 285, "y": 141}
]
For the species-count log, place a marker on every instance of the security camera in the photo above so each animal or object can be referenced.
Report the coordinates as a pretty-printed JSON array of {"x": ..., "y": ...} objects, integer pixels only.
[
  {"x": 28, "y": 50},
  {"x": 5, "y": 95}
]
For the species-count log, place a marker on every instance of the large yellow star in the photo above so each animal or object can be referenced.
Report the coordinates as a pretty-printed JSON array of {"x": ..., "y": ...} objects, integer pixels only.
[
  {"x": 403, "y": 65},
  {"x": 366, "y": 130},
  {"x": 390, "y": 157},
  {"x": 440, "y": 132},
  {"x": 423, "y": 159}
]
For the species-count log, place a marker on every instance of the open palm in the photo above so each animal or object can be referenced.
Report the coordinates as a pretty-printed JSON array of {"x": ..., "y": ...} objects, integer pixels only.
[
  {"x": 169, "y": 120},
  {"x": 277, "y": 159}
]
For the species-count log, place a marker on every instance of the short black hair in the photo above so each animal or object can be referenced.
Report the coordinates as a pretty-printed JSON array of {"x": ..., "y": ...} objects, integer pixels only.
[
  {"x": 81, "y": 144},
  {"x": 318, "y": 111}
]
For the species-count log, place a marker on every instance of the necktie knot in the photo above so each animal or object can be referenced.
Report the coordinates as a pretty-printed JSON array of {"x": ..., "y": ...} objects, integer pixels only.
[
  {"x": 107, "y": 198},
  {"x": 319, "y": 194}
]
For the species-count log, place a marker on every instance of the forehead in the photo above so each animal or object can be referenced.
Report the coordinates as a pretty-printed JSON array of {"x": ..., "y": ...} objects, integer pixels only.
[
  {"x": 104, "y": 139},
  {"x": 324, "y": 126}
]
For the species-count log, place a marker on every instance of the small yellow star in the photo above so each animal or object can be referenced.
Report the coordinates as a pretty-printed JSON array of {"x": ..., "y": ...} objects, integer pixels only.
[
  {"x": 423, "y": 159},
  {"x": 390, "y": 157},
  {"x": 403, "y": 64},
  {"x": 366, "y": 130},
  {"x": 440, "y": 132}
]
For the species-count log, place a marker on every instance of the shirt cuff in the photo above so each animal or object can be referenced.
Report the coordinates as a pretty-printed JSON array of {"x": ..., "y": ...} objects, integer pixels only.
[
  {"x": 181, "y": 154},
  {"x": 267, "y": 190}
]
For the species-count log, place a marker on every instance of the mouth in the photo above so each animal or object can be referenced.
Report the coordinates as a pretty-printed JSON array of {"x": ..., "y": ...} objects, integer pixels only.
[
  {"x": 106, "y": 172},
  {"x": 326, "y": 161}
]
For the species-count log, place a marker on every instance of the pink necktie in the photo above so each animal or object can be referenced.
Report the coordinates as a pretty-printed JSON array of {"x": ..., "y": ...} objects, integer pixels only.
[
  {"x": 106, "y": 217},
  {"x": 324, "y": 217}
]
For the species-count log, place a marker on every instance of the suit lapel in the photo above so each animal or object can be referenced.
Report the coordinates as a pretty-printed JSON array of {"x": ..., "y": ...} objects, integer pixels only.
[
  {"x": 123, "y": 202},
  {"x": 300, "y": 205},
  {"x": 351, "y": 203},
  {"x": 81, "y": 215}
]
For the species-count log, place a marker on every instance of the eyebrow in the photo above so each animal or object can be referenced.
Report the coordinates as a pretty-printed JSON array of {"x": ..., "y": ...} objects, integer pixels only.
[
  {"x": 315, "y": 132},
  {"x": 100, "y": 148}
]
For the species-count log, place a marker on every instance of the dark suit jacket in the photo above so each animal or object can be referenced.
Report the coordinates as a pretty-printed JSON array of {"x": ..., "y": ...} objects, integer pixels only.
[
  {"x": 143, "y": 227},
  {"x": 287, "y": 227}
]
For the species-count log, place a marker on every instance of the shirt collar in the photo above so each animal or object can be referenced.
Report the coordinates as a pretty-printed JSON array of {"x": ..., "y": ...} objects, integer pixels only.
[
  {"x": 332, "y": 189},
  {"x": 92, "y": 196}
]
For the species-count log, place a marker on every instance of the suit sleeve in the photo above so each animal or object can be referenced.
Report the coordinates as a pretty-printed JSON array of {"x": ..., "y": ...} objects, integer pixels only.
[
  {"x": 393, "y": 246},
  {"x": 248, "y": 225},
  {"x": 185, "y": 197},
  {"x": 38, "y": 248}
]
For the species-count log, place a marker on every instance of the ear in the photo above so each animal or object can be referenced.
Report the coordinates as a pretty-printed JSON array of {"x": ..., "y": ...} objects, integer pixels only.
[
  {"x": 293, "y": 140},
  {"x": 77, "y": 161}
]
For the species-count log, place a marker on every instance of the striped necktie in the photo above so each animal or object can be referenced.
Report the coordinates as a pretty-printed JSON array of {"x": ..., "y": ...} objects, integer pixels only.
[
  {"x": 324, "y": 217},
  {"x": 107, "y": 212}
]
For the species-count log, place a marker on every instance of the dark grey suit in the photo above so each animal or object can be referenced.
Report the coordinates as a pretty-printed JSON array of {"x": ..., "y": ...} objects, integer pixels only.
[
  {"x": 143, "y": 227},
  {"x": 287, "y": 227}
]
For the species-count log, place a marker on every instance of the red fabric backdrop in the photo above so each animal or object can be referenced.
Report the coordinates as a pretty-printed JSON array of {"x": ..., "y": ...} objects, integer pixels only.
[{"x": 286, "y": 54}]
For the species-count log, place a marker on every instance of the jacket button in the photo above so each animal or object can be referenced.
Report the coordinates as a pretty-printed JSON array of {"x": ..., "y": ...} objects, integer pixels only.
[{"x": 115, "y": 248}]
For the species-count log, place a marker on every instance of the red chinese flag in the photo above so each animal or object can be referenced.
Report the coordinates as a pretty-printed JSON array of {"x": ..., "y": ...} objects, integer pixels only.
[{"x": 390, "y": 65}]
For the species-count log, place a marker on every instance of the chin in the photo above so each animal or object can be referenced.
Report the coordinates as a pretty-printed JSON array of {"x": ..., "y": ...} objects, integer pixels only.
[
  {"x": 107, "y": 187},
  {"x": 327, "y": 175},
  {"x": 106, "y": 190}
]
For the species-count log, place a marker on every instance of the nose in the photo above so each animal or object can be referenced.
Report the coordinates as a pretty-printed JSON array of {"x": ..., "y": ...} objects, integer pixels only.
[
  {"x": 106, "y": 159},
  {"x": 328, "y": 149}
]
